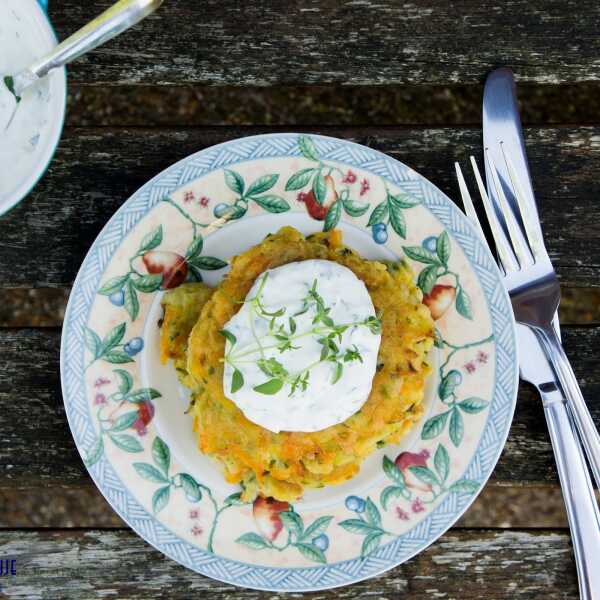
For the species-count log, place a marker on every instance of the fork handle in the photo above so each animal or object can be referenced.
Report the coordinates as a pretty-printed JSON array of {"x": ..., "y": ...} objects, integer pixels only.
[
  {"x": 578, "y": 494},
  {"x": 590, "y": 438}
]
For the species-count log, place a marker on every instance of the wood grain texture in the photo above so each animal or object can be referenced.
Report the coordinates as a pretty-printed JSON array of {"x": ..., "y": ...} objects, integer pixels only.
[
  {"x": 463, "y": 564},
  {"x": 37, "y": 447},
  {"x": 360, "y": 42},
  {"x": 95, "y": 171},
  {"x": 292, "y": 106},
  {"x": 45, "y": 307},
  {"x": 498, "y": 506}
]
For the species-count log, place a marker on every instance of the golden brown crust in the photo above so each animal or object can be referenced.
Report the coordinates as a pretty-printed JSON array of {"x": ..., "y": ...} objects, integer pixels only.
[{"x": 283, "y": 464}]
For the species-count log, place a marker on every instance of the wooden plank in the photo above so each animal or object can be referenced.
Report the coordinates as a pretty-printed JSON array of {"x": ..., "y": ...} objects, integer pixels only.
[
  {"x": 498, "y": 506},
  {"x": 45, "y": 307},
  {"x": 37, "y": 447},
  {"x": 463, "y": 564},
  {"x": 95, "y": 170},
  {"x": 367, "y": 43},
  {"x": 432, "y": 105}
]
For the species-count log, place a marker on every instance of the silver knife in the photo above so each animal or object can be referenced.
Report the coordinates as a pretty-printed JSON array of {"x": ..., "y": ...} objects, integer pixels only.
[
  {"x": 502, "y": 134},
  {"x": 578, "y": 493}
]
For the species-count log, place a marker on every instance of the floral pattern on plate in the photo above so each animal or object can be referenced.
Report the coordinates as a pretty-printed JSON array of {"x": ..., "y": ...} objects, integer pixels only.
[{"x": 119, "y": 404}]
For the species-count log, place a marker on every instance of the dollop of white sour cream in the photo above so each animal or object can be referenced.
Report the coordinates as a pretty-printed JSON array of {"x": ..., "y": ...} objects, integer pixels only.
[
  {"x": 27, "y": 144},
  {"x": 280, "y": 311}
]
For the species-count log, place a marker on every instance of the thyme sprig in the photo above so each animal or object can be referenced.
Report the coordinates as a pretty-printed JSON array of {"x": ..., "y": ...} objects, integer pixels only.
[{"x": 282, "y": 336}]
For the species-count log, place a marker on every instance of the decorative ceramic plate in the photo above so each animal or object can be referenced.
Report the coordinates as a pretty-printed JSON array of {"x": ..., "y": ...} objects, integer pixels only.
[{"x": 127, "y": 411}]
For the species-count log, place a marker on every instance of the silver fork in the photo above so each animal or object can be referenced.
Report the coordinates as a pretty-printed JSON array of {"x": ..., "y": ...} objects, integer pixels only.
[
  {"x": 535, "y": 293},
  {"x": 537, "y": 367}
]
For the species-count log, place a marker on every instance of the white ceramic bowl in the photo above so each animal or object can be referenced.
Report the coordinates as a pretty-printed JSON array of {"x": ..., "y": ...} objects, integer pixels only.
[{"x": 32, "y": 15}]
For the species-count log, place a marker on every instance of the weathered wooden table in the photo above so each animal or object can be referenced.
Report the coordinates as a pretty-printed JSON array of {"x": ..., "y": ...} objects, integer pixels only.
[{"x": 403, "y": 78}]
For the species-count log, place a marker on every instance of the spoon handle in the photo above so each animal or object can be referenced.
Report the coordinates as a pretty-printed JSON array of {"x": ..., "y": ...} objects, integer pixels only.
[{"x": 113, "y": 21}]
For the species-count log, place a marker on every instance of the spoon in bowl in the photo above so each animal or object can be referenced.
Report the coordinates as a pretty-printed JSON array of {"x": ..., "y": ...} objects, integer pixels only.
[{"x": 113, "y": 21}]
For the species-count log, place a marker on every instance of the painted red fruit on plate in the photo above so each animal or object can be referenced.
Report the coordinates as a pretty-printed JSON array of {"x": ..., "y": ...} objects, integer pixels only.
[
  {"x": 315, "y": 210},
  {"x": 170, "y": 265},
  {"x": 439, "y": 300},
  {"x": 405, "y": 460},
  {"x": 266, "y": 516}
]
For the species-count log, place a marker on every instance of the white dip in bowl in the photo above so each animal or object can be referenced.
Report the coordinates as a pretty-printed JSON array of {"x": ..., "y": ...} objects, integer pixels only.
[{"x": 28, "y": 144}]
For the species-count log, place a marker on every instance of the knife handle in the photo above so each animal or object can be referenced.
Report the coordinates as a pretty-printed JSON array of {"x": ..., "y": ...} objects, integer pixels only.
[
  {"x": 590, "y": 438},
  {"x": 578, "y": 494}
]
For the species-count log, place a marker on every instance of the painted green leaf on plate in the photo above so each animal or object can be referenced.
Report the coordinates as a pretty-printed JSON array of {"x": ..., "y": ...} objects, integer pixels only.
[
  {"x": 161, "y": 455},
  {"x": 151, "y": 240},
  {"x": 234, "y": 181}
]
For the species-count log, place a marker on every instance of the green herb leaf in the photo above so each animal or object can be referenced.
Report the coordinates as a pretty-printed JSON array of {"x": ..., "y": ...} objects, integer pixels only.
[
  {"x": 332, "y": 218},
  {"x": 441, "y": 461},
  {"x": 434, "y": 426},
  {"x": 191, "y": 489},
  {"x": 272, "y": 204},
  {"x": 311, "y": 552},
  {"x": 463, "y": 304},
  {"x": 151, "y": 240},
  {"x": 252, "y": 540},
  {"x": 269, "y": 387},
  {"x": 272, "y": 367},
  {"x": 337, "y": 375},
  {"x": 421, "y": 255},
  {"x": 442, "y": 247},
  {"x": 113, "y": 285},
  {"x": 379, "y": 214},
  {"x": 208, "y": 263},
  {"x": 307, "y": 148},
  {"x": 234, "y": 181},
  {"x": 228, "y": 336},
  {"x": 160, "y": 498},
  {"x": 473, "y": 405},
  {"x": 299, "y": 179},
  {"x": 457, "y": 427},
  {"x": 237, "y": 381},
  {"x": 292, "y": 324},
  {"x": 150, "y": 473},
  {"x": 161, "y": 455}
]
